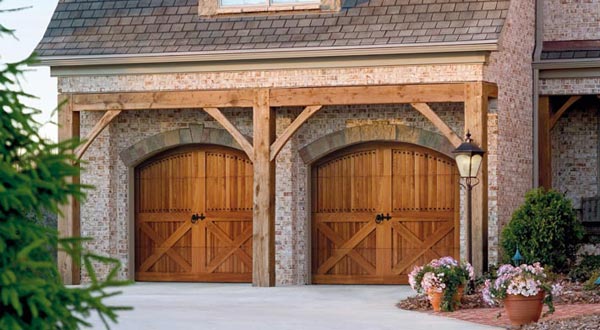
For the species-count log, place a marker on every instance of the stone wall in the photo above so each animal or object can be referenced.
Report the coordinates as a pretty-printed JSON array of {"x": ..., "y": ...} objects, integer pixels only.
[
  {"x": 510, "y": 141},
  {"x": 571, "y": 19}
]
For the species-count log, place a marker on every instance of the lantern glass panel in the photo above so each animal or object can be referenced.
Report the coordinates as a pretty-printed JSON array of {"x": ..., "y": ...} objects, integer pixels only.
[{"x": 463, "y": 161}]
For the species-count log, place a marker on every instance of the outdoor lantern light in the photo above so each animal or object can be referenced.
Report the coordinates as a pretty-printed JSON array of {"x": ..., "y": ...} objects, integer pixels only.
[{"x": 468, "y": 159}]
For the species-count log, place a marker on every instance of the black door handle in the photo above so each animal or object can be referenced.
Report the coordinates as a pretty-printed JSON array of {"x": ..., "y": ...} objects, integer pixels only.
[
  {"x": 379, "y": 218},
  {"x": 196, "y": 217}
]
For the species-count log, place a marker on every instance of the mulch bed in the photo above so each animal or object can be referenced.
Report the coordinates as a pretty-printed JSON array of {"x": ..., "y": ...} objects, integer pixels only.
[{"x": 575, "y": 309}]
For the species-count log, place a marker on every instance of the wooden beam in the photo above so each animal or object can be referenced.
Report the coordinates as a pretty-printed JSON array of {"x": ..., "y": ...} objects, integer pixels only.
[
  {"x": 344, "y": 95},
  {"x": 263, "y": 222},
  {"x": 426, "y": 111},
  {"x": 476, "y": 105},
  {"x": 290, "y": 130},
  {"x": 68, "y": 218},
  {"x": 490, "y": 90},
  {"x": 544, "y": 143},
  {"x": 162, "y": 100},
  {"x": 237, "y": 136},
  {"x": 555, "y": 117},
  {"x": 98, "y": 128},
  {"x": 368, "y": 94}
]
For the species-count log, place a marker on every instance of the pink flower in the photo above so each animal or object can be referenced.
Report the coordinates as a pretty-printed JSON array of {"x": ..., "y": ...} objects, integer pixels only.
[{"x": 412, "y": 277}]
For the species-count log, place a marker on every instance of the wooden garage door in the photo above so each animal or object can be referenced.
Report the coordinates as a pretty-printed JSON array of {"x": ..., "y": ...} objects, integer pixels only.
[
  {"x": 211, "y": 184},
  {"x": 415, "y": 193}
]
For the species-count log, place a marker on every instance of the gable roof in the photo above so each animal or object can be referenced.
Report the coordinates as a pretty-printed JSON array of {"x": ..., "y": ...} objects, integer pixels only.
[{"x": 127, "y": 27}]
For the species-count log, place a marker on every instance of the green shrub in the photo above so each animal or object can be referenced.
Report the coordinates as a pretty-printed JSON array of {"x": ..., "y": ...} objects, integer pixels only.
[
  {"x": 34, "y": 176},
  {"x": 545, "y": 229},
  {"x": 586, "y": 267}
]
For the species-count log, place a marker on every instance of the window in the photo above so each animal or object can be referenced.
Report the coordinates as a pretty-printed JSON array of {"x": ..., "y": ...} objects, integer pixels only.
[
  {"x": 254, "y": 7},
  {"x": 240, "y": 3}
]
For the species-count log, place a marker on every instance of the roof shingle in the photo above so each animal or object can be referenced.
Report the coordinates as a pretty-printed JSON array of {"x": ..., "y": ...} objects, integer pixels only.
[{"x": 119, "y": 27}]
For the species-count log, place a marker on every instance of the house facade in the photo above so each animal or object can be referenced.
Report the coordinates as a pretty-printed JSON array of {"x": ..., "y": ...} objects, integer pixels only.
[
  {"x": 294, "y": 143},
  {"x": 567, "y": 63}
]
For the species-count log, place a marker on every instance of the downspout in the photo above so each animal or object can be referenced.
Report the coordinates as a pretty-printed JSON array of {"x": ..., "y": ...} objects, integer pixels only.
[{"x": 537, "y": 54}]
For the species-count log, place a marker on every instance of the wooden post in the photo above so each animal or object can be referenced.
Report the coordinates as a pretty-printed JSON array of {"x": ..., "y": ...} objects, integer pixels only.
[
  {"x": 68, "y": 220},
  {"x": 544, "y": 144},
  {"x": 476, "y": 105},
  {"x": 263, "y": 238}
]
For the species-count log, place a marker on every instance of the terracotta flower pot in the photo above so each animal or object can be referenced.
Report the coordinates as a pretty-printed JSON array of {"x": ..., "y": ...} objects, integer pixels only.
[
  {"x": 435, "y": 298},
  {"x": 524, "y": 310}
]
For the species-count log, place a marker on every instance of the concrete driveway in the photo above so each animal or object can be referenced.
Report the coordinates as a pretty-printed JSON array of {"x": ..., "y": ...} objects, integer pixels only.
[{"x": 174, "y": 306}]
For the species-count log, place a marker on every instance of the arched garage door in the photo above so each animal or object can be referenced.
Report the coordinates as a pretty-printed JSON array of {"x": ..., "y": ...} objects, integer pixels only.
[
  {"x": 193, "y": 218},
  {"x": 379, "y": 209}
]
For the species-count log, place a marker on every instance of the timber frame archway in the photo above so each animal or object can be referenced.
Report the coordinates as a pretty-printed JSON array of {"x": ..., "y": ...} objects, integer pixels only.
[
  {"x": 265, "y": 144},
  {"x": 409, "y": 178}
]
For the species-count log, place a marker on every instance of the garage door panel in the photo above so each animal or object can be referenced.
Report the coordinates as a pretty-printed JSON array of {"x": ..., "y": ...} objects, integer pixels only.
[
  {"x": 210, "y": 183},
  {"x": 229, "y": 182},
  {"x": 415, "y": 190}
]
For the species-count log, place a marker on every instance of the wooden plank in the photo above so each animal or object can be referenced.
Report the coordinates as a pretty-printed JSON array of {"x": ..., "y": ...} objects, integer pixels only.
[
  {"x": 422, "y": 93},
  {"x": 338, "y": 241},
  {"x": 383, "y": 234},
  {"x": 556, "y": 116},
  {"x": 237, "y": 135},
  {"x": 544, "y": 143},
  {"x": 426, "y": 245},
  {"x": 163, "y": 100},
  {"x": 426, "y": 111},
  {"x": 382, "y": 94},
  {"x": 290, "y": 130},
  {"x": 263, "y": 270},
  {"x": 165, "y": 246},
  {"x": 170, "y": 252},
  {"x": 69, "y": 215},
  {"x": 192, "y": 277},
  {"x": 476, "y": 105},
  {"x": 98, "y": 128},
  {"x": 345, "y": 248}
]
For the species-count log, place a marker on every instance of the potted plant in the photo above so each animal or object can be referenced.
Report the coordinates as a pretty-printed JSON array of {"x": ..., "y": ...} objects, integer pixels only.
[
  {"x": 443, "y": 280},
  {"x": 524, "y": 290}
]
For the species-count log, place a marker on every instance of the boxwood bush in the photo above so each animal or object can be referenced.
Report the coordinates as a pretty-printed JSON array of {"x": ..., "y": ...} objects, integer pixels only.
[{"x": 545, "y": 229}]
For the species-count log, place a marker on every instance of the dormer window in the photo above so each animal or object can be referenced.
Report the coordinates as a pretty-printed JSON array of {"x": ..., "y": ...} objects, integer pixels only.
[
  {"x": 218, "y": 7},
  {"x": 244, "y": 3}
]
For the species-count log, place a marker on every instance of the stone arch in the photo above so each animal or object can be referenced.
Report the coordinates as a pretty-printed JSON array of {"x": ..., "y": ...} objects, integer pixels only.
[
  {"x": 194, "y": 134},
  {"x": 371, "y": 133}
]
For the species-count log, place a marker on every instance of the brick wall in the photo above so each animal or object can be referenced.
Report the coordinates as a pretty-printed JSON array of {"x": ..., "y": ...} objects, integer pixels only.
[
  {"x": 571, "y": 19},
  {"x": 274, "y": 78},
  {"x": 575, "y": 153},
  {"x": 511, "y": 176},
  {"x": 105, "y": 213},
  {"x": 570, "y": 86}
]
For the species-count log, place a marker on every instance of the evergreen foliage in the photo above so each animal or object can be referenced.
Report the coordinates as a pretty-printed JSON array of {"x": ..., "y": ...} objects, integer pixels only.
[
  {"x": 545, "y": 229},
  {"x": 34, "y": 178}
]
